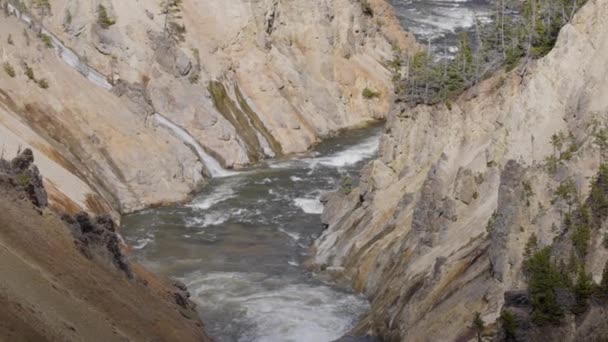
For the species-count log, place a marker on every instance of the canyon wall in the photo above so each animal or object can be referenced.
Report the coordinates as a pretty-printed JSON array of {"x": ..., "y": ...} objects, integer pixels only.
[
  {"x": 66, "y": 279},
  {"x": 437, "y": 228},
  {"x": 237, "y": 81}
]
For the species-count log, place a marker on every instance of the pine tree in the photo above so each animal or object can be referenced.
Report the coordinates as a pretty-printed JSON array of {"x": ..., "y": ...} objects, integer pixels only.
[{"x": 478, "y": 326}]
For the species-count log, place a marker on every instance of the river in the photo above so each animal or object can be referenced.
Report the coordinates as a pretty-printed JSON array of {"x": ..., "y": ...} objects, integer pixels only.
[
  {"x": 240, "y": 245},
  {"x": 438, "y": 21}
]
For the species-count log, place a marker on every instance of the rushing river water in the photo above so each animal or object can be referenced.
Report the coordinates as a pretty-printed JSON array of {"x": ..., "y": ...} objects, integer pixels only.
[
  {"x": 240, "y": 245},
  {"x": 439, "y": 21}
]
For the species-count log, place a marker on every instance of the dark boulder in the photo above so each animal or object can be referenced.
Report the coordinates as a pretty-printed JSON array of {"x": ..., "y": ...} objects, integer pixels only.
[
  {"x": 22, "y": 161},
  {"x": 97, "y": 237}
]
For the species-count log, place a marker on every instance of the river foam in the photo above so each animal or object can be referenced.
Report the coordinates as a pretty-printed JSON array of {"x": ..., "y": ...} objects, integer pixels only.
[
  {"x": 309, "y": 205},
  {"x": 274, "y": 308}
]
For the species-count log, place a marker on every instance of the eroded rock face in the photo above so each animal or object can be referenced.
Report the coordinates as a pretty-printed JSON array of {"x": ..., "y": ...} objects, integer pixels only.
[
  {"x": 447, "y": 238},
  {"x": 97, "y": 238},
  {"x": 22, "y": 173},
  {"x": 247, "y": 80}
]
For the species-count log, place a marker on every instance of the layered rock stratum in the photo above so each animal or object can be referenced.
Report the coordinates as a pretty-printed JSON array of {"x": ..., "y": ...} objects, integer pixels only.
[
  {"x": 437, "y": 228},
  {"x": 238, "y": 81}
]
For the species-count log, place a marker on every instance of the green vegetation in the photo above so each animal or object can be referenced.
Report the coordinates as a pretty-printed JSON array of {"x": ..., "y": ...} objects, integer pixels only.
[
  {"x": 547, "y": 281},
  {"x": 598, "y": 197},
  {"x": 370, "y": 94},
  {"x": 23, "y": 179},
  {"x": 566, "y": 192},
  {"x": 195, "y": 73},
  {"x": 531, "y": 246},
  {"x": 579, "y": 223},
  {"x": 528, "y": 192},
  {"x": 602, "y": 289},
  {"x": 29, "y": 72},
  {"x": 103, "y": 19},
  {"x": 43, "y": 7},
  {"x": 478, "y": 326},
  {"x": 583, "y": 289},
  {"x": 172, "y": 28},
  {"x": 46, "y": 39},
  {"x": 544, "y": 280},
  {"x": 525, "y": 31},
  {"x": 8, "y": 68},
  {"x": 346, "y": 185},
  {"x": 509, "y": 324},
  {"x": 564, "y": 148},
  {"x": 67, "y": 20},
  {"x": 43, "y": 83}
]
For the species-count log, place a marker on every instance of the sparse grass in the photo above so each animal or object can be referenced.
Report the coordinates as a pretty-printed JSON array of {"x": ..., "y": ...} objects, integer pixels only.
[
  {"x": 103, "y": 19},
  {"x": 43, "y": 83},
  {"x": 8, "y": 68},
  {"x": 370, "y": 94}
]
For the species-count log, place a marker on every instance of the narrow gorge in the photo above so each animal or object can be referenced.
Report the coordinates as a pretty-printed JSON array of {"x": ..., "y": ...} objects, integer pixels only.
[{"x": 284, "y": 170}]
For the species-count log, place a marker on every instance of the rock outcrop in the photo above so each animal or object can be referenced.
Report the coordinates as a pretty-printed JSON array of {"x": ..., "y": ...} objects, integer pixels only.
[
  {"x": 437, "y": 229},
  {"x": 245, "y": 80},
  {"x": 62, "y": 285}
]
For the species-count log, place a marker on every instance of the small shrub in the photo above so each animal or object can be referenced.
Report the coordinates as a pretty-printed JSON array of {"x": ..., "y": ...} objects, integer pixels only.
[
  {"x": 478, "y": 325},
  {"x": 46, "y": 39},
  {"x": 67, "y": 20},
  {"x": 23, "y": 179},
  {"x": 43, "y": 83},
  {"x": 8, "y": 68},
  {"x": 103, "y": 19},
  {"x": 552, "y": 164},
  {"x": 508, "y": 322},
  {"x": 370, "y": 94},
  {"x": 346, "y": 185},
  {"x": 29, "y": 72}
]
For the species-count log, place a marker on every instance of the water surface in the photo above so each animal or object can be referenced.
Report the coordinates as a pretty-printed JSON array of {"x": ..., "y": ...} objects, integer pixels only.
[
  {"x": 438, "y": 21},
  {"x": 240, "y": 245}
]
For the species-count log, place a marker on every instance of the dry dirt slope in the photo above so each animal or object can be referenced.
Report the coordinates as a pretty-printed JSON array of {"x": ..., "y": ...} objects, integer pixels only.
[{"x": 50, "y": 292}]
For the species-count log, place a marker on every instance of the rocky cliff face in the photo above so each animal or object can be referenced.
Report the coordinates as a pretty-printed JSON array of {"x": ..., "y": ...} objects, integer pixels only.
[
  {"x": 242, "y": 80},
  {"x": 438, "y": 226}
]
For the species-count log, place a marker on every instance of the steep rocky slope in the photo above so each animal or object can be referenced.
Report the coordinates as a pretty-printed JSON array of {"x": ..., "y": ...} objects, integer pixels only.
[
  {"x": 437, "y": 229},
  {"x": 237, "y": 80},
  {"x": 62, "y": 285}
]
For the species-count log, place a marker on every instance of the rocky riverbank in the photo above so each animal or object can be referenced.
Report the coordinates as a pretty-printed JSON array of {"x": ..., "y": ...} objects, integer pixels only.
[{"x": 439, "y": 227}]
